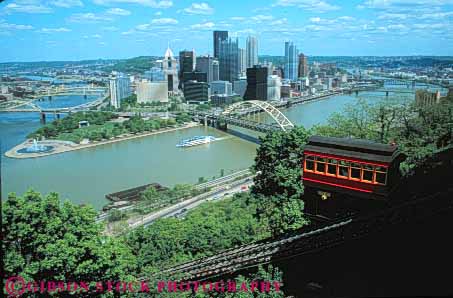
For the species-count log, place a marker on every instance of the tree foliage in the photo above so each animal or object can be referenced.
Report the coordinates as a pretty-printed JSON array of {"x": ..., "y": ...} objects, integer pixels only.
[
  {"x": 46, "y": 240},
  {"x": 208, "y": 229},
  {"x": 278, "y": 183}
]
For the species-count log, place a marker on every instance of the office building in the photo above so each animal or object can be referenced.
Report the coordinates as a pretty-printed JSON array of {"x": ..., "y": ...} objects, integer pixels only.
[
  {"x": 239, "y": 87},
  {"x": 290, "y": 70},
  {"x": 256, "y": 83},
  {"x": 274, "y": 84},
  {"x": 155, "y": 74},
  {"x": 329, "y": 83},
  {"x": 221, "y": 87},
  {"x": 229, "y": 64},
  {"x": 215, "y": 70},
  {"x": 208, "y": 65},
  {"x": 252, "y": 51},
  {"x": 221, "y": 99},
  {"x": 242, "y": 62},
  {"x": 119, "y": 88},
  {"x": 219, "y": 36},
  {"x": 187, "y": 60},
  {"x": 303, "y": 66},
  {"x": 194, "y": 76},
  {"x": 169, "y": 68},
  {"x": 152, "y": 91},
  {"x": 196, "y": 92}
]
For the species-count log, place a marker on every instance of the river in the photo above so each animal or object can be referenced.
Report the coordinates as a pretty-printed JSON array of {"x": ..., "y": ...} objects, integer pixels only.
[{"x": 86, "y": 176}]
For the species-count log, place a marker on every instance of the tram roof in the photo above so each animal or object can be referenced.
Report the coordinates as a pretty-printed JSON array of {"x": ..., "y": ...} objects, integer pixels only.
[{"x": 354, "y": 148}]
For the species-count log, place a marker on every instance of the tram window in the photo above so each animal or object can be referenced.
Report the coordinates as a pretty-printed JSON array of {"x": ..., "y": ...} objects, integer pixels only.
[
  {"x": 321, "y": 165},
  {"x": 309, "y": 165},
  {"x": 367, "y": 173},
  {"x": 355, "y": 170},
  {"x": 343, "y": 169},
  {"x": 380, "y": 177},
  {"x": 332, "y": 167}
]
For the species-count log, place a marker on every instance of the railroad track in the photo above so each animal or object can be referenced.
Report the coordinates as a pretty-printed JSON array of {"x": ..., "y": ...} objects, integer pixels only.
[{"x": 323, "y": 237}]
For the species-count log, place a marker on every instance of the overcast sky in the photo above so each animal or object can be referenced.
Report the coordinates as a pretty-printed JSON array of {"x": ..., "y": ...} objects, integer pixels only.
[{"x": 32, "y": 30}]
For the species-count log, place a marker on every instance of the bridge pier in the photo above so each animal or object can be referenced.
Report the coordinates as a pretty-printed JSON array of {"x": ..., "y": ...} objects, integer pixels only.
[
  {"x": 205, "y": 120},
  {"x": 356, "y": 92},
  {"x": 386, "y": 93},
  {"x": 43, "y": 118}
]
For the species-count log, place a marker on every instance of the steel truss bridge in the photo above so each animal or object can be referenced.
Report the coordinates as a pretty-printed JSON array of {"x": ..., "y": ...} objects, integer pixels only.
[
  {"x": 247, "y": 114},
  {"x": 36, "y": 109},
  {"x": 58, "y": 91}
]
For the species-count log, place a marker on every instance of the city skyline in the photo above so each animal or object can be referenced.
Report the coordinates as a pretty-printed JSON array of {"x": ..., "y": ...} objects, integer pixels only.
[{"x": 32, "y": 30}]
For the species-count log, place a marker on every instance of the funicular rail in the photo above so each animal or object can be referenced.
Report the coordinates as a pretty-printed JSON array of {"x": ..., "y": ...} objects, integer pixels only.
[{"x": 327, "y": 236}]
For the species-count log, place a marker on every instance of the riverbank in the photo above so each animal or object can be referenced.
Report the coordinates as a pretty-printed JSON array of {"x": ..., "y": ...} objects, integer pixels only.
[{"x": 63, "y": 146}]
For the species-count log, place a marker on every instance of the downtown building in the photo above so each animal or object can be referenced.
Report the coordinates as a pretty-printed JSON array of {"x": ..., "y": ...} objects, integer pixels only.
[
  {"x": 187, "y": 61},
  {"x": 256, "y": 83},
  {"x": 196, "y": 92},
  {"x": 156, "y": 91},
  {"x": 303, "y": 66},
  {"x": 251, "y": 51},
  {"x": 242, "y": 62},
  {"x": 290, "y": 69},
  {"x": 120, "y": 88},
  {"x": 229, "y": 62},
  {"x": 221, "y": 87},
  {"x": 210, "y": 66},
  {"x": 219, "y": 36},
  {"x": 154, "y": 74},
  {"x": 274, "y": 85}
]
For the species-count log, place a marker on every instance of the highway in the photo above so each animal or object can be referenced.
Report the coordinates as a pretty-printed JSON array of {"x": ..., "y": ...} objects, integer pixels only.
[
  {"x": 216, "y": 184},
  {"x": 182, "y": 207}
]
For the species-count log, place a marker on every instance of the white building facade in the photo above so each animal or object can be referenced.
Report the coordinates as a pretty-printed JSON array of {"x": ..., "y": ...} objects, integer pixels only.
[
  {"x": 152, "y": 91},
  {"x": 119, "y": 88}
]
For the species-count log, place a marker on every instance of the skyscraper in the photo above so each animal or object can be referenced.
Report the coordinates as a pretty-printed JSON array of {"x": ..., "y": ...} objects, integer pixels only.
[
  {"x": 256, "y": 83},
  {"x": 290, "y": 71},
  {"x": 215, "y": 70},
  {"x": 219, "y": 36},
  {"x": 119, "y": 88},
  {"x": 187, "y": 62},
  {"x": 210, "y": 66},
  {"x": 252, "y": 51},
  {"x": 303, "y": 66},
  {"x": 229, "y": 60},
  {"x": 242, "y": 62},
  {"x": 274, "y": 85}
]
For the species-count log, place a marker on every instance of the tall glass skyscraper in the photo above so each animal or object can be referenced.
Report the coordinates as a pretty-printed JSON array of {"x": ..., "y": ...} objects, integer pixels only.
[
  {"x": 219, "y": 36},
  {"x": 229, "y": 63},
  {"x": 252, "y": 51},
  {"x": 290, "y": 70}
]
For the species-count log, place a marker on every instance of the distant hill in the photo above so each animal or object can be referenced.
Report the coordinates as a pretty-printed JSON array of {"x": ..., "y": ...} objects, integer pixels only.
[{"x": 133, "y": 65}]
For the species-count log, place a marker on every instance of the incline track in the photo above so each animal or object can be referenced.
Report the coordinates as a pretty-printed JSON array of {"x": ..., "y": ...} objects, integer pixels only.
[{"x": 323, "y": 237}]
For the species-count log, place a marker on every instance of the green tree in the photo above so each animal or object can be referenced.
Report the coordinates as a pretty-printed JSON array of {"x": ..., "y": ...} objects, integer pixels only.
[
  {"x": 278, "y": 184},
  {"x": 44, "y": 240}
]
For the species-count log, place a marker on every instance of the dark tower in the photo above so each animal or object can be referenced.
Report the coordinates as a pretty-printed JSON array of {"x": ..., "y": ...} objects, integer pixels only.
[
  {"x": 186, "y": 64},
  {"x": 256, "y": 83},
  {"x": 218, "y": 37}
]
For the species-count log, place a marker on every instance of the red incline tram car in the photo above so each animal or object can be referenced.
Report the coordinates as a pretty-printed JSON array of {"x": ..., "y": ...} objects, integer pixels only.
[{"x": 343, "y": 176}]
